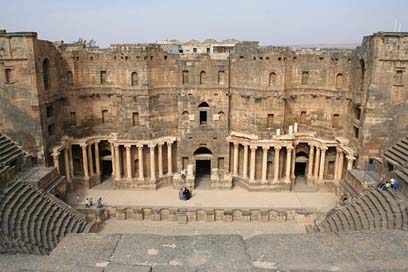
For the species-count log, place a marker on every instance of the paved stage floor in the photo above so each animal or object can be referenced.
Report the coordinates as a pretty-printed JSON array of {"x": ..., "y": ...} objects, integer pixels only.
[{"x": 235, "y": 198}]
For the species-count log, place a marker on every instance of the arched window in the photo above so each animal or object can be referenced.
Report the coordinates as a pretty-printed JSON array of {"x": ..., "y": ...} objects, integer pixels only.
[
  {"x": 203, "y": 108},
  {"x": 202, "y": 151},
  {"x": 362, "y": 74},
  {"x": 45, "y": 70},
  {"x": 70, "y": 79},
  {"x": 305, "y": 77},
  {"x": 302, "y": 117},
  {"x": 134, "y": 79},
  {"x": 272, "y": 79},
  {"x": 202, "y": 77},
  {"x": 221, "y": 115},
  {"x": 339, "y": 81}
]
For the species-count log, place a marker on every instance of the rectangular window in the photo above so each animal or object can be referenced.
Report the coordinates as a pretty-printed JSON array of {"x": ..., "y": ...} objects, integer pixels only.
[
  {"x": 185, "y": 77},
  {"x": 104, "y": 116},
  {"x": 335, "y": 123},
  {"x": 9, "y": 75},
  {"x": 356, "y": 132},
  {"x": 221, "y": 163},
  {"x": 135, "y": 119},
  {"x": 221, "y": 77},
  {"x": 203, "y": 117},
  {"x": 208, "y": 50},
  {"x": 270, "y": 121},
  {"x": 103, "y": 77},
  {"x": 51, "y": 129},
  {"x": 398, "y": 77},
  {"x": 72, "y": 118},
  {"x": 50, "y": 111},
  {"x": 357, "y": 113},
  {"x": 305, "y": 78}
]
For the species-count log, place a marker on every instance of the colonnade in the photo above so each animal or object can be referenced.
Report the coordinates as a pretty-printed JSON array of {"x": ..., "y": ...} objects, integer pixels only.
[
  {"x": 117, "y": 163},
  {"x": 315, "y": 167}
]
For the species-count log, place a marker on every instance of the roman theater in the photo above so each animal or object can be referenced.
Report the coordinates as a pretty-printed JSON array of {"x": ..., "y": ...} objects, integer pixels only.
[{"x": 259, "y": 134}]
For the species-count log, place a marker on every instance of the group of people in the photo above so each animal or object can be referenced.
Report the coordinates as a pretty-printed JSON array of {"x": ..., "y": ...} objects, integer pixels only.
[
  {"x": 89, "y": 203},
  {"x": 392, "y": 183},
  {"x": 184, "y": 194}
]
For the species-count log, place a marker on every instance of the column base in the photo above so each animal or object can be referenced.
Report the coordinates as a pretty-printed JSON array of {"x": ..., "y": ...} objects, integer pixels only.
[{"x": 264, "y": 181}]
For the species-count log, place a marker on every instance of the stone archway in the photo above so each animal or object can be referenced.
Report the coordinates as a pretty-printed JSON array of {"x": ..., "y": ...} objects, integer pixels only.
[{"x": 202, "y": 157}]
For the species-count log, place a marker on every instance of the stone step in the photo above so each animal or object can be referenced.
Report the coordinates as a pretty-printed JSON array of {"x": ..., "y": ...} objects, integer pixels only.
[
  {"x": 398, "y": 152},
  {"x": 28, "y": 217},
  {"x": 9, "y": 208},
  {"x": 378, "y": 209},
  {"x": 18, "y": 213},
  {"x": 344, "y": 220},
  {"x": 61, "y": 234},
  {"x": 403, "y": 146},
  {"x": 350, "y": 218},
  {"x": 369, "y": 215},
  {"x": 58, "y": 225},
  {"x": 39, "y": 221},
  {"x": 386, "y": 206},
  {"x": 362, "y": 217},
  {"x": 337, "y": 221},
  {"x": 33, "y": 224}
]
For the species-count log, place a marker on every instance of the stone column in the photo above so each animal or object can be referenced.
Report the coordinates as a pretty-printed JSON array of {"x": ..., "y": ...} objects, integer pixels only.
[
  {"x": 336, "y": 166},
  {"x": 264, "y": 163},
  {"x": 71, "y": 161},
  {"x": 113, "y": 159},
  {"x": 97, "y": 160},
  {"x": 85, "y": 161},
  {"x": 322, "y": 162},
  {"x": 316, "y": 164},
  {"x": 245, "y": 166},
  {"x": 288, "y": 163},
  {"x": 350, "y": 160},
  {"x": 159, "y": 147},
  {"x": 293, "y": 162},
  {"x": 66, "y": 161},
  {"x": 55, "y": 156},
  {"x": 340, "y": 166},
  {"x": 252, "y": 166},
  {"x": 276, "y": 164},
  {"x": 140, "y": 157},
  {"x": 152, "y": 163},
  {"x": 128, "y": 162},
  {"x": 90, "y": 160},
  {"x": 235, "y": 167},
  {"x": 310, "y": 165},
  {"x": 169, "y": 159},
  {"x": 117, "y": 163}
]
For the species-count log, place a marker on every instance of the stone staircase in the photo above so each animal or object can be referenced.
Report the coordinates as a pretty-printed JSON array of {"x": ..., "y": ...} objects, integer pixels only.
[
  {"x": 34, "y": 222},
  {"x": 374, "y": 210},
  {"x": 9, "y": 153}
]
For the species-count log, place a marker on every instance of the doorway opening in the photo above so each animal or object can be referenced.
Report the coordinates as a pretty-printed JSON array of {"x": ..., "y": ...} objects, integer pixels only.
[
  {"x": 300, "y": 169},
  {"x": 203, "y": 173},
  {"x": 106, "y": 159}
]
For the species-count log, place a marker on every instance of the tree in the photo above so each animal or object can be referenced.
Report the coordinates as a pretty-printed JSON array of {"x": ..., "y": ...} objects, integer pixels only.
[{"x": 85, "y": 42}]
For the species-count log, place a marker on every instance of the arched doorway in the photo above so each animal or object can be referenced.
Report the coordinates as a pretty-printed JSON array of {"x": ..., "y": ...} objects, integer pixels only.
[
  {"x": 106, "y": 161},
  {"x": 300, "y": 166},
  {"x": 202, "y": 158}
]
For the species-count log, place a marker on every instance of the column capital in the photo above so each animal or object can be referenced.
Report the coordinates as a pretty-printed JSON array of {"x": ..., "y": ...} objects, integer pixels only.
[
  {"x": 160, "y": 143},
  {"x": 152, "y": 146},
  {"x": 253, "y": 147},
  {"x": 265, "y": 147},
  {"x": 236, "y": 144},
  {"x": 55, "y": 154},
  {"x": 289, "y": 147},
  {"x": 169, "y": 142},
  {"x": 277, "y": 147},
  {"x": 83, "y": 145},
  {"x": 350, "y": 157},
  {"x": 139, "y": 145},
  {"x": 116, "y": 144},
  {"x": 324, "y": 147},
  {"x": 127, "y": 146}
]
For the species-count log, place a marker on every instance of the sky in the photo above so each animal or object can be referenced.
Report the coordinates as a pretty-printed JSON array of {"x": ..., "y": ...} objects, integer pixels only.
[{"x": 292, "y": 22}]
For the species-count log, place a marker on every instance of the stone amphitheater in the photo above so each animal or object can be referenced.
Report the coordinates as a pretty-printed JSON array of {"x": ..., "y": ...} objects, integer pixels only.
[{"x": 266, "y": 135}]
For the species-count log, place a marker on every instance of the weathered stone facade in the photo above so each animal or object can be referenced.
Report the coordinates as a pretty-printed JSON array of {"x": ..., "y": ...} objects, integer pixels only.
[{"x": 231, "y": 111}]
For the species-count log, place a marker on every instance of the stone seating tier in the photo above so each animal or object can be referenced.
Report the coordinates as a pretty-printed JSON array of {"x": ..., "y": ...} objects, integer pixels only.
[
  {"x": 375, "y": 210},
  {"x": 34, "y": 222}
]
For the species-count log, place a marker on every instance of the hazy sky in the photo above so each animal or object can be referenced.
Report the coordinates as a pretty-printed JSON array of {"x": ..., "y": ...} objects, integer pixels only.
[{"x": 270, "y": 22}]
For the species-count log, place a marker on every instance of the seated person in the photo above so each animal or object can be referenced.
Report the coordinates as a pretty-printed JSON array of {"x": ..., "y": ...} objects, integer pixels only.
[
  {"x": 182, "y": 194},
  {"x": 394, "y": 184},
  {"x": 386, "y": 186},
  {"x": 186, "y": 193}
]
